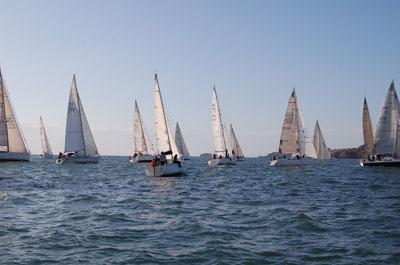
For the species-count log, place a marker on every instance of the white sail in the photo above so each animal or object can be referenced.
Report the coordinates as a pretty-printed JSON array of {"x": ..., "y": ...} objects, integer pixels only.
[
  {"x": 305, "y": 140},
  {"x": 386, "y": 130},
  {"x": 220, "y": 147},
  {"x": 289, "y": 142},
  {"x": 78, "y": 136},
  {"x": 44, "y": 140},
  {"x": 235, "y": 147},
  {"x": 141, "y": 139},
  {"x": 164, "y": 138},
  {"x": 367, "y": 129},
  {"x": 180, "y": 142},
  {"x": 11, "y": 137},
  {"x": 319, "y": 143}
]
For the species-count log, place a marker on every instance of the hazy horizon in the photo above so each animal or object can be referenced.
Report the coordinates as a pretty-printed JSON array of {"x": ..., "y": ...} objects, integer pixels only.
[{"x": 255, "y": 52}]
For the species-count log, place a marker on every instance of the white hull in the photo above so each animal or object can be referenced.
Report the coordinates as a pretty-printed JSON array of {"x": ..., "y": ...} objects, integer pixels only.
[
  {"x": 164, "y": 170},
  {"x": 294, "y": 162},
  {"x": 15, "y": 156},
  {"x": 221, "y": 162},
  {"x": 78, "y": 160},
  {"x": 143, "y": 158}
]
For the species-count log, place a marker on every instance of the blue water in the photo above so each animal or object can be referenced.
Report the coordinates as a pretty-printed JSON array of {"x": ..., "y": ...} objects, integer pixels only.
[{"x": 111, "y": 213}]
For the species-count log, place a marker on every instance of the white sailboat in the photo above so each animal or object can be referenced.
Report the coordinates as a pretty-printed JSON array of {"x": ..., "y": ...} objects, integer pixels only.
[
  {"x": 319, "y": 143},
  {"x": 144, "y": 151},
  {"x": 44, "y": 140},
  {"x": 221, "y": 153},
  {"x": 237, "y": 152},
  {"x": 386, "y": 148},
  {"x": 169, "y": 163},
  {"x": 12, "y": 142},
  {"x": 79, "y": 142},
  {"x": 296, "y": 146},
  {"x": 180, "y": 143}
]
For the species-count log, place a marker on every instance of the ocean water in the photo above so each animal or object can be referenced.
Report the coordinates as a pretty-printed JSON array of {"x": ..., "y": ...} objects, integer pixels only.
[{"x": 111, "y": 213}]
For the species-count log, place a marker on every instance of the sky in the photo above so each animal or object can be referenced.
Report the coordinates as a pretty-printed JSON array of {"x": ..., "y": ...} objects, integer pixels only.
[{"x": 254, "y": 52}]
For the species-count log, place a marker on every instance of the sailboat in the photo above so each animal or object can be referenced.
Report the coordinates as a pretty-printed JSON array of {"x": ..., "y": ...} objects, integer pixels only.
[
  {"x": 12, "y": 142},
  {"x": 221, "y": 153},
  {"x": 295, "y": 146},
  {"x": 367, "y": 129},
  {"x": 143, "y": 147},
  {"x": 319, "y": 143},
  {"x": 44, "y": 140},
  {"x": 180, "y": 143},
  {"x": 168, "y": 163},
  {"x": 235, "y": 147},
  {"x": 79, "y": 142},
  {"x": 386, "y": 147}
]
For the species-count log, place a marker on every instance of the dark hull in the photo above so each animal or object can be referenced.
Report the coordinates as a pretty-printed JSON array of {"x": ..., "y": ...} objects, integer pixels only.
[{"x": 380, "y": 163}]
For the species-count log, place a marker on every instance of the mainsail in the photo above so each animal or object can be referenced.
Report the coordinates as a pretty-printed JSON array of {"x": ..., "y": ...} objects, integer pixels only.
[
  {"x": 387, "y": 127},
  {"x": 165, "y": 140},
  {"x": 367, "y": 129},
  {"x": 11, "y": 138},
  {"x": 141, "y": 138},
  {"x": 180, "y": 142},
  {"x": 45, "y": 141},
  {"x": 295, "y": 137},
  {"x": 319, "y": 143},
  {"x": 235, "y": 143},
  {"x": 218, "y": 127},
  {"x": 289, "y": 143},
  {"x": 78, "y": 136}
]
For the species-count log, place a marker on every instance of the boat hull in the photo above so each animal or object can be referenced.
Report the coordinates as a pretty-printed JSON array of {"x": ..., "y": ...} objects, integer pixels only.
[
  {"x": 79, "y": 160},
  {"x": 294, "y": 162},
  {"x": 221, "y": 162},
  {"x": 387, "y": 163},
  {"x": 143, "y": 159},
  {"x": 15, "y": 157},
  {"x": 167, "y": 170}
]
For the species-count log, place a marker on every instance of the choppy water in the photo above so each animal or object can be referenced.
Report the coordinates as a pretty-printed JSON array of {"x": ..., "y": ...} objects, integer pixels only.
[{"x": 111, "y": 213}]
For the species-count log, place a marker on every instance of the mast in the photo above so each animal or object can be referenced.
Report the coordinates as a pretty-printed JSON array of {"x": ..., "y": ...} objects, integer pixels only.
[
  {"x": 3, "y": 118},
  {"x": 163, "y": 111},
  {"x": 220, "y": 119},
  {"x": 80, "y": 113}
]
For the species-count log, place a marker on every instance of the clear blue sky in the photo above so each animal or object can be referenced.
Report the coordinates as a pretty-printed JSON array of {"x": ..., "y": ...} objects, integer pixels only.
[{"x": 255, "y": 52}]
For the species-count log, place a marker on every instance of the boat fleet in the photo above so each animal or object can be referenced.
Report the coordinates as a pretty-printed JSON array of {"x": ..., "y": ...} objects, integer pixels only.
[{"x": 167, "y": 158}]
